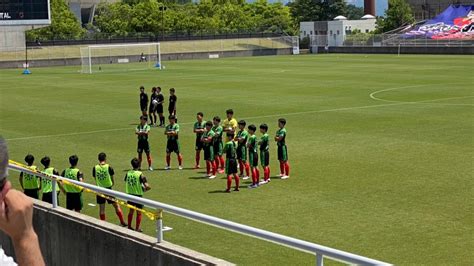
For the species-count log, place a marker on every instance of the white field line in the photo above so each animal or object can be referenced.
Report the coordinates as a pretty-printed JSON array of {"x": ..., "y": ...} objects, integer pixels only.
[
  {"x": 372, "y": 96},
  {"x": 254, "y": 117}
]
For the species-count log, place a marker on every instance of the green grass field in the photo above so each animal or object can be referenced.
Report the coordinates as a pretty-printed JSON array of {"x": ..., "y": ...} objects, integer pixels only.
[{"x": 381, "y": 149}]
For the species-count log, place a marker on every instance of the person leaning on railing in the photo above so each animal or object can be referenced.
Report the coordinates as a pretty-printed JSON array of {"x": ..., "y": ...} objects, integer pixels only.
[{"x": 16, "y": 215}]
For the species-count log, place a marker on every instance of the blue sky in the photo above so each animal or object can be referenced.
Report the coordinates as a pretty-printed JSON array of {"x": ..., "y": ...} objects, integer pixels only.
[{"x": 380, "y": 5}]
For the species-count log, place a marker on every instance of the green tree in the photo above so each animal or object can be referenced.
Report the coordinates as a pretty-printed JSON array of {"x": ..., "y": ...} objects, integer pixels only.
[
  {"x": 64, "y": 24},
  {"x": 206, "y": 17},
  {"x": 114, "y": 18},
  {"x": 317, "y": 10},
  {"x": 354, "y": 12},
  {"x": 307, "y": 10},
  {"x": 398, "y": 14}
]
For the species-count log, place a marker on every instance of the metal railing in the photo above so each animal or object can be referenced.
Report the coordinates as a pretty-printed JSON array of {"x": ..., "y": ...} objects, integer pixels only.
[
  {"x": 377, "y": 40},
  {"x": 318, "y": 250},
  {"x": 138, "y": 37}
]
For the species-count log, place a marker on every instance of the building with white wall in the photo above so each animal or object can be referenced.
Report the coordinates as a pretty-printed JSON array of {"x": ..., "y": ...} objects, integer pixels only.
[
  {"x": 340, "y": 27},
  {"x": 84, "y": 9},
  {"x": 337, "y": 29}
]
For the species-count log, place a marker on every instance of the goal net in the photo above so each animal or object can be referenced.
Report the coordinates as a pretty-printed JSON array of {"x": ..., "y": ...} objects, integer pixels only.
[{"x": 120, "y": 57}]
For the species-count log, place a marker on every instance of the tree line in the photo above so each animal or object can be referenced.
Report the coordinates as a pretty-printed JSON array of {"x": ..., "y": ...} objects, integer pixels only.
[{"x": 206, "y": 17}]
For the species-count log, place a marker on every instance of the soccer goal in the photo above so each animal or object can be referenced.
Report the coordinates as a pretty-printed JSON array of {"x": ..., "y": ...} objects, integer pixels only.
[{"x": 120, "y": 57}]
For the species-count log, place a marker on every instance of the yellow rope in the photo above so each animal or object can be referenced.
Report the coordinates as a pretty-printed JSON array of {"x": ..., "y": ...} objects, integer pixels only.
[{"x": 152, "y": 216}]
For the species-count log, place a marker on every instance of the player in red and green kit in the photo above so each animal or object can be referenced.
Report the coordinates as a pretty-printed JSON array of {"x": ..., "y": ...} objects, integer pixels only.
[
  {"x": 142, "y": 131},
  {"x": 252, "y": 144},
  {"x": 199, "y": 129},
  {"x": 242, "y": 138},
  {"x": 264, "y": 154},
  {"x": 230, "y": 150},
  {"x": 282, "y": 150},
  {"x": 47, "y": 184},
  {"x": 103, "y": 175},
  {"x": 73, "y": 193},
  {"x": 31, "y": 184},
  {"x": 217, "y": 144},
  {"x": 207, "y": 138},
  {"x": 172, "y": 145},
  {"x": 136, "y": 185}
]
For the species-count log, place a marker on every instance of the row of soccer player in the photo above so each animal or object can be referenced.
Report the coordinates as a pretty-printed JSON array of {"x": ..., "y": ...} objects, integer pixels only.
[
  {"x": 155, "y": 104},
  {"x": 135, "y": 184},
  {"x": 238, "y": 144}
]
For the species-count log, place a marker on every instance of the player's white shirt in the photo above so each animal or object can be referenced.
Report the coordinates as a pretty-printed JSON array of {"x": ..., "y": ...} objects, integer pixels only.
[{"x": 6, "y": 260}]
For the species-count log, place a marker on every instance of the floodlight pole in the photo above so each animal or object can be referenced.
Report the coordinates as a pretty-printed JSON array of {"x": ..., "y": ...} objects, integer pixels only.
[{"x": 163, "y": 8}]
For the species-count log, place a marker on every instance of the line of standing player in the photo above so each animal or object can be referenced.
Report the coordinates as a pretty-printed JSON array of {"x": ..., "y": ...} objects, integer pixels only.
[
  {"x": 209, "y": 138},
  {"x": 103, "y": 174},
  {"x": 237, "y": 146},
  {"x": 155, "y": 105}
]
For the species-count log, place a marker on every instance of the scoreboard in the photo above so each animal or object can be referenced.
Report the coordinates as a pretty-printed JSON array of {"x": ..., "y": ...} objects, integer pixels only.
[{"x": 25, "y": 12}]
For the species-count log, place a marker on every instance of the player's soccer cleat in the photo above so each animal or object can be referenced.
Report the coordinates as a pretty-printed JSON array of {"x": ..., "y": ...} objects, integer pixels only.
[
  {"x": 220, "y": 171},
  {"x": 280, "y": 175},
  {"x": 285, "y": 177},
  {"x": 263, "y": 182},
  {"x": 180, "y": 167},
  {"x": 236, "y": 189},
  {"x": 139, "y": 230},
  {"x": 123, "y": 225},
  {"x": 253, "y": 186},
  {"x": 212, "y": 177},
  {"x": 197, "y": 167},
  {"x": 245, "y": 177},
  {"x": 150, "y": 168},
  {"x": 167, "y": 167},
  {"x": 227, "y": 190}
]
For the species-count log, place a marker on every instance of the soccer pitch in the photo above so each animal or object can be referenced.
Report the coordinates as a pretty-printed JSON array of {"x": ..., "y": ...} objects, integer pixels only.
[{"x": 381, "y": 149}]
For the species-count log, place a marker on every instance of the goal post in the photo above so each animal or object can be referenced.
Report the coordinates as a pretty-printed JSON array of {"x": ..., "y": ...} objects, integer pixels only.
[{"x": 120, "y": 57}]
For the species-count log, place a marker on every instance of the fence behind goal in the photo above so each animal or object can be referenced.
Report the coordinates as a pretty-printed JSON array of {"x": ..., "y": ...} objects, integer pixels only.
[
  {"x": 72, "y": 53},
  {"x": 319, "y": 251},
  {"x": 128, "y": 56}
]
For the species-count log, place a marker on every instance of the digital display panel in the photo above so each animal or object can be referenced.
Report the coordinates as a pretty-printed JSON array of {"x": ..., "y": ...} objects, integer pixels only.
[{"x": 24, "y": 12}]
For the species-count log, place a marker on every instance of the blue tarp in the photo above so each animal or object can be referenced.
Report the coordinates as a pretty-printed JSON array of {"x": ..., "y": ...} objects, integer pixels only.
[{"x": 456, "y": 22}]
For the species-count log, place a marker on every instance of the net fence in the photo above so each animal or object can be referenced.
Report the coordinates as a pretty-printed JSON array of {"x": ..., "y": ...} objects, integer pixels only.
[{"x": 169, "y": 47}]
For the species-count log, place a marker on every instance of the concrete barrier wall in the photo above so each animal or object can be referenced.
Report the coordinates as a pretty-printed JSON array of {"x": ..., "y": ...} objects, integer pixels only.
[
  {"x": 164, "y": 57},
  {"x": 69, "y": 238},
  {"x": 460, "y": 50}
]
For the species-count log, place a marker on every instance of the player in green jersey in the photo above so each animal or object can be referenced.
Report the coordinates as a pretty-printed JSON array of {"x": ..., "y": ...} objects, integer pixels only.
[
  {"x": 282, "y": 150},
  {"x": 230, "y": 150},
  {"x": 199, "y": 129},
  {"x": 135, "y": 185},
  {"x": 73, "y": 193},
  {"x": 47, "y": 184},
  {"x": 142, "y": 131},
  {"x": 207, "y": 139},
  {"x": 217, "y": 144},
  {"x": 242, "y": 138},
  {"x": 252, "y": 144},
  {"x": 264, "y": 154},
  {"x": 172, "y": 145},
  {"x": 103, "y": 175},
  {"x": 30, "y": 184}
]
